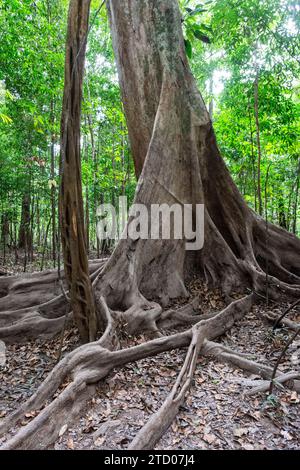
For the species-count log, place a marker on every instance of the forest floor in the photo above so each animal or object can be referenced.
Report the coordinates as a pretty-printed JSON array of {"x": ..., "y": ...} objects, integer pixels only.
[
  {"x": 217, "y": 413},
  {"x": 10, "y": 265}
]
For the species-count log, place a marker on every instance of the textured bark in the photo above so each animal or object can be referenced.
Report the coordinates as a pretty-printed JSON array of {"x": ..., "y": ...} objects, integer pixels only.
[
  {"x": 175, "y": 150},
  {"x": 180, "y": 162},
  {"x": 33, "y": 305},
  {"x": 24, "y": 232},
  {"x": 53, "y": 189},
  {"x": 256, "y": 113},
  {"x": 71, "y": 201}
]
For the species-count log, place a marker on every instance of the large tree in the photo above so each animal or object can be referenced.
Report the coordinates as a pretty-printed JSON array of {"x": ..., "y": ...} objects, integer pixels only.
[
  {"x": 177, "y": 161},
  {"x": 71, "y": 201}
]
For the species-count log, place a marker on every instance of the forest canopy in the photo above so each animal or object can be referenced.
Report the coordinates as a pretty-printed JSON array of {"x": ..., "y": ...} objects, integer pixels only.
[{"x": 246, "y": 62}]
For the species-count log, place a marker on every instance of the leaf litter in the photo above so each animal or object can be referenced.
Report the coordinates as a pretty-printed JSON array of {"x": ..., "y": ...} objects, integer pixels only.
[{"x": 216, "y": 414}]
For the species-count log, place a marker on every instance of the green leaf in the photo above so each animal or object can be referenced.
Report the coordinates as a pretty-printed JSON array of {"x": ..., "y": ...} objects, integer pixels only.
[
  {"x": 207, "y": 28},
  {"x": 188, "y": 48},
  {"x": 201, "y": 36},
  {"x": 197, "y": 10},
  {"x": 6, "y": 119}
]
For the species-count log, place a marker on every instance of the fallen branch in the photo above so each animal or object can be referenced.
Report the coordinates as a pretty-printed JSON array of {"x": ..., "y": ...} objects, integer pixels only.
[
  {"x": 293, "y": 337},
  {"x": 289, "y": 309},
  {"x": 160, "y": 421},
  {"x": 280, "y": 379}
]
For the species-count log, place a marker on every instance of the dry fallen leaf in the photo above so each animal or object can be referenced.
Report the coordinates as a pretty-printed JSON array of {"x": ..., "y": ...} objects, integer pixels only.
[
  {"x": 209, "y": 438},
  {"x": 294, "y": 398},
  {"x": 248, "y": 446},
  {"x": 63, "y": 430},
  {"x": 70, "y": 443},
  {"x": 286, "y": 435},
  {"x": 98, "y": 442},
  {"x": 239, "y": 432}
]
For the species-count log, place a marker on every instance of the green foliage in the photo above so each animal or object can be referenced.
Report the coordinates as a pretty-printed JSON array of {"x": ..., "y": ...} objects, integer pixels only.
[
  {"x": 195, "y": 24},
  {"x": 256, "y": 39},
  {"x": 229, "y": 44}
]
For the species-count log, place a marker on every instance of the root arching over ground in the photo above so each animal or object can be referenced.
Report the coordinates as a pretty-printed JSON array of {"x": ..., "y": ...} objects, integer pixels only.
[{"x": 177, "y": 161}]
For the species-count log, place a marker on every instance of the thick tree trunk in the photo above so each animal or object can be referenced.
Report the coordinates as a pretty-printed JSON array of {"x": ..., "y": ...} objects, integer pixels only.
[
  {"x": 175, "y": 151},
  {"x": 71, "y": 201}
]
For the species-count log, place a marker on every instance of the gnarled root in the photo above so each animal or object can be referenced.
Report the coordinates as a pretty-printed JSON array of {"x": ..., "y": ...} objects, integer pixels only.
[
  {"x": 160, "y": 421},
  {"x": 239, "y": 360},
  {"x": 35, "y": 319},
  {"x": 27, "y": 290},
  {"x": 89, "y": 364}
]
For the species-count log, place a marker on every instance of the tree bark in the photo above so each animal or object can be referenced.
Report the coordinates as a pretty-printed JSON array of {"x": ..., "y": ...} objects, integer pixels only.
[
  {"x": 177, "y": 157},
  {"x": 71, "y": 200},
  {"x": 295, "y": 208},
  {"x": 53, "y": 189},
  {"x": 24, "y": 232},
  {"x": 256, "y": 111}
]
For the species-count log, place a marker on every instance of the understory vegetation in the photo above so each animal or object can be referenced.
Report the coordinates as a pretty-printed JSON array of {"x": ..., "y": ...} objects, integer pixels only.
[{"x": 248, "y": 46}]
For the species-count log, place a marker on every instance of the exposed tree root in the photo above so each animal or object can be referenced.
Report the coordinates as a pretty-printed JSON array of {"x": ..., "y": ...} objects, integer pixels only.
[
  {"x": 286, "y": 322},
  {"x": 90, "y": 363},
  {"x": 160, "y": 421},
  {"x": 289, "y": 377},
  {"x": 27, "y": 290},
  {"x": 42, "y": 320},
  {"x": 240, "y": 361},
  {"x": 236, "y": 360},
  {"x": 282, "y": 317},
  {"x": 292, "y": 338},
  {"x": 183, "y": 316},
  {"x": 87, "y": 365}
]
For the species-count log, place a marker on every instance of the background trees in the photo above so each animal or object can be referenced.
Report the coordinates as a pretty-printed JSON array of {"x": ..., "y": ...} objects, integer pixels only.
[{"x": 245, "y": 61}]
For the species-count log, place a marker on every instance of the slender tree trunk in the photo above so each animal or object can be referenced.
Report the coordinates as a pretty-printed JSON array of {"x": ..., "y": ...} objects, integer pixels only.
[
  {"x": 87, "y": 218},
  {"x": 296, "y": 199},
  {"x": 71, "y": 200},
  {"x": 94, "y": 163},
  {"x": 256, "y": 111},
  {"x": 5, "y": 233},
  {"x": 24, "y": 232},
  {"x": 45, "y": 245},
  {"x": 211, "y": 98},
  {"x": 53, "y": 188},
  {"x": 252, "y": 157},
  {"x": 85, "y": 152},
  {"x": 38, "y": 223},
  {"x": 32, "y": 216},
  {"x": 281, "y": 212}
]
